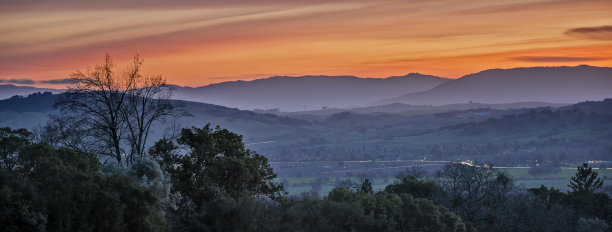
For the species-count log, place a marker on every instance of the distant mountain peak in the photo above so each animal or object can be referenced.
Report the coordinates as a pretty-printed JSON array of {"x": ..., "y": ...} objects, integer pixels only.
[
  {"x": 560, "y": 84},
  {"x": 534, "y": 68},
  {"x": 416, "y": 75}
]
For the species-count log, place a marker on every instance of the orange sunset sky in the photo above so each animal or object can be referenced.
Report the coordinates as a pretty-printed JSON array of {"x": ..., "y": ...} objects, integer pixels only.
[{"x": 196, "y": 43}]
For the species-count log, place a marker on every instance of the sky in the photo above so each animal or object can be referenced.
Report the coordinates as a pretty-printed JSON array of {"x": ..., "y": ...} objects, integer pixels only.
[{"x": 194, "y": 43}]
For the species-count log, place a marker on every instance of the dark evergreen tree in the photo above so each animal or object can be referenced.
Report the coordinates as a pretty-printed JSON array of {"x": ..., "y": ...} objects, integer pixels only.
[{"x": 585, "y": 179}]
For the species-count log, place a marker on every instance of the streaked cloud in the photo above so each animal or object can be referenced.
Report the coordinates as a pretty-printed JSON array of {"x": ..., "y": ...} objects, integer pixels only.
[
  {"x": 599, "y": 33},
  {"x": 25, "y": 81},
  {"x": 197, "y": 42},
  {"x": 18, "y": 81},
  {"x": 57, "y": 81},
  {"x": 548, "y": 59}
]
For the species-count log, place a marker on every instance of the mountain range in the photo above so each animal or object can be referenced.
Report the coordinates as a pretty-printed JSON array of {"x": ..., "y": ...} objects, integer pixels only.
[
  {"x": 288, "y": 93},
  {"x": 540, "y": 84},
  {"x": 565, "y": 85}
]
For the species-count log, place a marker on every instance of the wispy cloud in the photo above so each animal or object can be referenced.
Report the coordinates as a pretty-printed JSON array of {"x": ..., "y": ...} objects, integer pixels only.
[
  {"x": 599, "y": 33},
  {"x": 25, "y": 81},
  {"x": 18, "y": 81},
  {"x": 195, "y": 42},
  {"x": 501, "y": 7},
  {"x": 555, "y": 58},
  {"x": 57, "y": 81}
]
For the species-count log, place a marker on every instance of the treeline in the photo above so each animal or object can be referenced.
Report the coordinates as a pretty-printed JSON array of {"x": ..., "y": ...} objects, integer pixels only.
[
  {"x": 502, "y": 154},
  {"x": 33, "y": 102}
]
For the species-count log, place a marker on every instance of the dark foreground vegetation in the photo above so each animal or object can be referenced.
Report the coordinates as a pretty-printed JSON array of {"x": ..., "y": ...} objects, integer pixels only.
[{"x": 205, "y": 180}]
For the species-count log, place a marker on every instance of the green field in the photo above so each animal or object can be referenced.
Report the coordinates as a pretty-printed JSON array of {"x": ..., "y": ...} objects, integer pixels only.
[
  {"x": 557, "y": 180},
  {"x": 521, "y": 177}
]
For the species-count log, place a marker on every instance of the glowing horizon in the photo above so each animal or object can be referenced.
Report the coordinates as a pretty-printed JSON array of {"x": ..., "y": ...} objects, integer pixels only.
[{"x": 194, "y": 44}]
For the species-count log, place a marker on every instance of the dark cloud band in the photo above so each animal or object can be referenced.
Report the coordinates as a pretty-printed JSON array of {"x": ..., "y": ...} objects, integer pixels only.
[
  {"x": 18, "y": 81},
  {"x": 57, "y": 81},
  {"x": 554, "y": 58},
  {"x": 23, "y": 81},
  {"x": 599, "y": 33}
]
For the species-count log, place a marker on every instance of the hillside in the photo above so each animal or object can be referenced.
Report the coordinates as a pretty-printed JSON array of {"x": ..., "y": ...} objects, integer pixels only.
[
  {"x": 33, "y": 110},
  {"x": 504, "y": 137},
  {"x": 507, "y": 136},
  {"x": 543, "y": 84},
  {"x": 410, "y": 110},
  {"x": 544, "y": 122}
]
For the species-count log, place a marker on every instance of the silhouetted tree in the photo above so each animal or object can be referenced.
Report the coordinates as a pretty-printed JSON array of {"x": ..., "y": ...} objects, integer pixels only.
[
  {"x": 70, "y": 130},
  {"x": 147, "y": 102},
  {"x": 366, "y": 187},
  {"x": 585, "y": 179},
  {"x": 112, "y": 106},
  {"x": 11, "y": 143},
  {"x": 473, "y": 192}
]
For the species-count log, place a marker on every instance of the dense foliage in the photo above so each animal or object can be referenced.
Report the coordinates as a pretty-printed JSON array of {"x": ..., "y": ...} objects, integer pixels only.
[
  {"x": 212, "y": 163},
  {"x": 51, "y": 189}
]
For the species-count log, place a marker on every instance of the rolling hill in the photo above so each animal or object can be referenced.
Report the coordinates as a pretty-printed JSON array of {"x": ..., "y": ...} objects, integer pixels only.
[
  {"x": 410, "y": 110},
  {"x": 503, "y": 135},
  {"x": 32, "y": 111}
]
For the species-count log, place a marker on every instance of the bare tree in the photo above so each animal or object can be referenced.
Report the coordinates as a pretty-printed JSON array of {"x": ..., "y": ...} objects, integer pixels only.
[
  {"x": 69, "y": 130},
  {"x": 473, "y": 191},
  {"x": 117, "y": 108},
  {"x": 147, "y": 101}
]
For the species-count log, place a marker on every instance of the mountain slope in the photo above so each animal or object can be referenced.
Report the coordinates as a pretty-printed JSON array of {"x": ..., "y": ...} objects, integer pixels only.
[
  {"x": 543, "y": 84},
  {"x": 410, "y": 110},
  {"x": 33, "y": 111},
  {"x": 306, "y": 92}
]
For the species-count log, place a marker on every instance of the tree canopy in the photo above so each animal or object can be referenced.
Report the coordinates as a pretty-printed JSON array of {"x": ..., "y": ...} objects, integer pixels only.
[
  {"x": 208, "y": 163},
  {"x": 62, "y": 190}
]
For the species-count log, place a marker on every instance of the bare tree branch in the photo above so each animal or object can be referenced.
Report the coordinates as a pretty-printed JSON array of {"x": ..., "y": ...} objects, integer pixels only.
[{"x": 117, "y": 109}]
